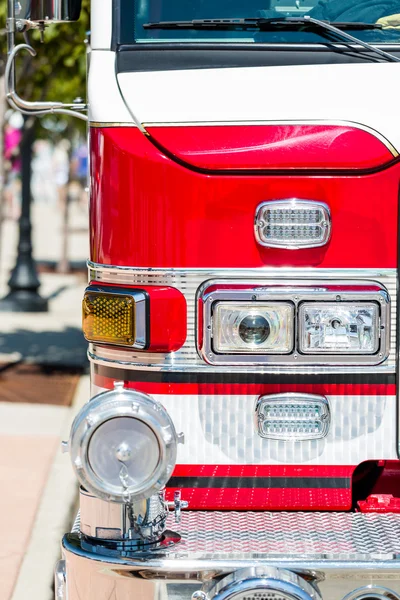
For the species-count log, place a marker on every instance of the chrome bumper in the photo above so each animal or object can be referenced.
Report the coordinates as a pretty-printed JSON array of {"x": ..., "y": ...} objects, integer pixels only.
[{"x": 340, "y": 552}]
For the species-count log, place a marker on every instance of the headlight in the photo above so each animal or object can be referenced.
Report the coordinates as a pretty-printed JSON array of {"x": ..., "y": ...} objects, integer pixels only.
[
  {"x": 329, "y": 323},
  {"x": 257, "y": 328},
  {"x": 123, "y": 446},
  {"x": 345, "y": 328}
]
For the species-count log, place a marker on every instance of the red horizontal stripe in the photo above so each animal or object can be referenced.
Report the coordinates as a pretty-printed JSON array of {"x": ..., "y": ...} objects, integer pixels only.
[
  {"x": 325, "y": 471},
  {"x": 321, "y": 499},
  {"x": 249, "y": 388}
]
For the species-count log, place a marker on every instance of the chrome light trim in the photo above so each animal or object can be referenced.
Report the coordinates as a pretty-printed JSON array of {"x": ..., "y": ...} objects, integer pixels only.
[
  {"x": 301, "y": 291},
  {"x": 370, "y": 592},
  {"x": 118, "y": 403},
  {"x": 295, "y": 204},
  {"x": 296, "y": 399},
  {"x": 283, "y": 583},
  {"x": 141, "y": 316},
  {"x": 190, "y": 280}
]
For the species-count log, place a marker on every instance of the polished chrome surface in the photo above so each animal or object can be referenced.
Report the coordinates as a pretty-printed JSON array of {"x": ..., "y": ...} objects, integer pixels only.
[
  {"x": 60, "y": 581},
  {"x": 35, "y": 108},
  {"x": 250, "y": 583},
  {"x": 122, "y": 403},
  {"x": 56, "y": 11},
  {"x": 372, "y": 592},
  {"x": 337, "y": 552},
  {"x": 21, "y": 11},
  {"x": 141, "y": 334},
  {"x": 294, "y": 401},
  {"x": 297, "y": 292},
  {"x": 293, "y": 204},
  {"x": 189, "y": 280},
  {"x": 137, "y": 523}
]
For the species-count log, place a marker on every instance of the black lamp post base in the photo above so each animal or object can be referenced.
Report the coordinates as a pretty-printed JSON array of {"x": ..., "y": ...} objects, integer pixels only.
[{"x": 23, "y": 301}]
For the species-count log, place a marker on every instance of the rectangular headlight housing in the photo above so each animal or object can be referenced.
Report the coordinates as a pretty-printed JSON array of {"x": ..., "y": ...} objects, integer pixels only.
[
  {"x": 338, "y": 323},
  {"x": 339, "y": 328},
  {"x": 262, "y": 327}
]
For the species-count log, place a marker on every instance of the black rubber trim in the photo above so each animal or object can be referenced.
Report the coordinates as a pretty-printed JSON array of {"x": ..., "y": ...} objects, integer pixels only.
[
  {"x": 172, "y": 57},
  {"x": 272, "y": 172},
  {"x": 261, "y": 482},
  {"x": 244, "y": 378}
]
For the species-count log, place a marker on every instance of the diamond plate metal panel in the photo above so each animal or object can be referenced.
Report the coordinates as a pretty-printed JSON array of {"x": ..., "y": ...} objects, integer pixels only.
[{"x": 291, "y": 535}]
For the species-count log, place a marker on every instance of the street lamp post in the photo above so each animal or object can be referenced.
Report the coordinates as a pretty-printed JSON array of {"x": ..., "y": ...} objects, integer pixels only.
[{"x": 24, "y": 282}]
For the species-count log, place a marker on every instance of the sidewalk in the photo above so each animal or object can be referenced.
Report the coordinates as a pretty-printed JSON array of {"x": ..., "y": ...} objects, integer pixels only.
[{"x": 38, "y": 486}]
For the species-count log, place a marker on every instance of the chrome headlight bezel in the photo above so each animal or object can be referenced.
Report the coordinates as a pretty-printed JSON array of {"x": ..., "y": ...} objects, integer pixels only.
[
  {"x": 297, "y": 292},
  {"x": 120, "y": 403}
]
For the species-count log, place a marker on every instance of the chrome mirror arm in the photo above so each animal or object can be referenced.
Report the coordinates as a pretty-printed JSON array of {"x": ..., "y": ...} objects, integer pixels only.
[{"x": 35, "y": 108}]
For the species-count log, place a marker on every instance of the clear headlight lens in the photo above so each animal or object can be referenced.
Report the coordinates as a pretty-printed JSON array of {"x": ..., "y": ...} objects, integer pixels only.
[
  {"x": 339, "y": 328},
  {"x": 264, "y": 327}
]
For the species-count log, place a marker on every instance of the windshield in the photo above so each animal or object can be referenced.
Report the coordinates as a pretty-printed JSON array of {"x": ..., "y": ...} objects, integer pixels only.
[{"x": 136, "y": 13}]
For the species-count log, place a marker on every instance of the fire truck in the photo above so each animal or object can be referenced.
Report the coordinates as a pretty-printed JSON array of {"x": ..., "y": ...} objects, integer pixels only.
[{"x": 241, "y": 441}]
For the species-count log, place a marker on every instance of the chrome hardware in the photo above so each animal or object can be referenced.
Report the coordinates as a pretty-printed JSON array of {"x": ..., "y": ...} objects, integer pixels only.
[
  {"x": 177, "y": 505},
  {"x": 55, "y": 8},
  {"x": 60, "y": 581},
  {"x": 122, "y": 417},
  {"x": 297, "y": 292},
  {"x": 291, "y": 217},
  {"x": 49, "y": 11},
  {"x": 292, "y": 417},
  {"x": 372, "y": 592},
  {"x": 134, "y": 525},
  {"x": 250, "y": 583},
  {"x": 189, "y": 281}
]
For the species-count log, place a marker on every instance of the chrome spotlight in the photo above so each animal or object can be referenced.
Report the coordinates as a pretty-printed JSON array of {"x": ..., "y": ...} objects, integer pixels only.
[
  {"x": 123, "y": 446},
  {"x": 255, "y": 583}
]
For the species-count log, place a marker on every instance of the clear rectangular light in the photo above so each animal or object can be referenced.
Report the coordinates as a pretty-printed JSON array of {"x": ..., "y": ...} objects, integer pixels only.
[
  {"x": 339, "y": 327},
  {"x": 293, "y": 417},
  {"x": 293, "y": 224},
  {"x": 256, "y": 327}
]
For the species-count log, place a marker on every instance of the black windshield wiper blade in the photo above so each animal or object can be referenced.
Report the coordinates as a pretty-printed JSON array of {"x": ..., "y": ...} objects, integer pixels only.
[
  {"x": 273, "y": 23},
  {"x": 256, "y": 23}
]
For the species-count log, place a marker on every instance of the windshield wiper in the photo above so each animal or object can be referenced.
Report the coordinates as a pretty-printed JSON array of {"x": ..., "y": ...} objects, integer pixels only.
[
  {"x": 262, "y": 24},
  {"x": 255, "y": 23}
]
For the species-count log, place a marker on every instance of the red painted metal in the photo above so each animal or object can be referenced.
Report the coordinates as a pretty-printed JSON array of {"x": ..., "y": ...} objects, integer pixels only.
[
  {"x": 167, "y": 319},
  {"x": 380, "y": 503},
  {"x": 321, "y": 499},
  {"x": 148, "y": 211},
  {"x": 260, "y": 147},
  {"x": 330, "y": 389},
  {"x": 327, "y": 495}
]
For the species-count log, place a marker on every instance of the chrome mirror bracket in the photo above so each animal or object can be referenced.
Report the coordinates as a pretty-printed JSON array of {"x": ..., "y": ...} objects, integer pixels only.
[{"x": 14, "y": 100}]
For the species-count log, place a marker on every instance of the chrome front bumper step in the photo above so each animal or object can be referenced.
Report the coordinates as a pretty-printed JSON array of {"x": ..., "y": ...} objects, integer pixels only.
[{"x": 339, "y": 553}]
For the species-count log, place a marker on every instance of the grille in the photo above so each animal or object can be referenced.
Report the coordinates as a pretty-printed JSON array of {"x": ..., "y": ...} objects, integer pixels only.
[
  {"x": 267, "y": 534},
  {"x": 188, "y": 283}
]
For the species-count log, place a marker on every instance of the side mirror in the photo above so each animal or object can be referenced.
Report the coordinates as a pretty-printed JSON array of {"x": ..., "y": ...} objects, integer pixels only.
[{"x": 48, "y": 11}]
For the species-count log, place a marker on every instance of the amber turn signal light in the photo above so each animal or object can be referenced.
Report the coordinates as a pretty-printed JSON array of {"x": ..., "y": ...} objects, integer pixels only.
[{"x": 114, "y": 316}]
